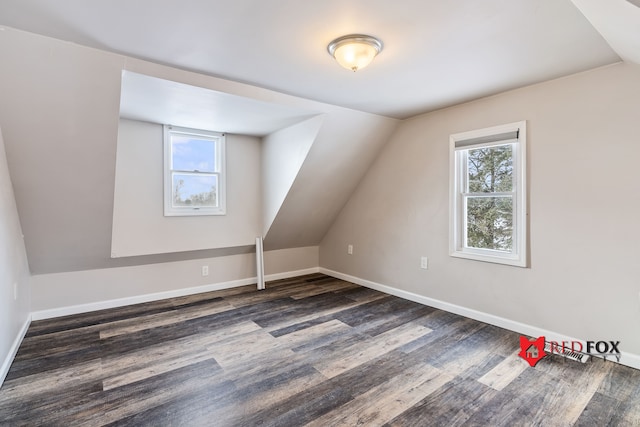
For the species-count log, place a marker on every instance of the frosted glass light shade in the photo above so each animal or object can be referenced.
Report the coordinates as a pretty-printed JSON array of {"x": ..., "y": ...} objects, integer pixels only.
[{"x": 354, "y": 51}]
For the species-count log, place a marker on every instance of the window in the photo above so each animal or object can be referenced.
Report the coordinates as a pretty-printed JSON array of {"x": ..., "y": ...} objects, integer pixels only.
[
  {"x": 488, "y": 195},
  {"x": 194, "y": 175}
]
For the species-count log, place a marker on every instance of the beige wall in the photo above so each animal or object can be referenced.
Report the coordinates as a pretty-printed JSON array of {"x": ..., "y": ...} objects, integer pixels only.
[
  {"x": 288, "y": 260},
  {"x": 59, "y": 110},
  {"x": 139, "y": 224},
  {"x": 59, "y": 113},
  {"x": 584, "y": 202},
  {"x": 343, "y": 150},
  {"x": 63, "y": 293},
  {"x": 14, "y": 270}
]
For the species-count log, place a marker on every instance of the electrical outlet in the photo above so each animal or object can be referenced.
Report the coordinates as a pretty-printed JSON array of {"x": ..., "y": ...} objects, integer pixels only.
[
  {"x": 205, "y": 270},
  {"x": 15, "y": 291},
  {"x": 350, "y": 249},
  {"x": 424, "y": 263}
]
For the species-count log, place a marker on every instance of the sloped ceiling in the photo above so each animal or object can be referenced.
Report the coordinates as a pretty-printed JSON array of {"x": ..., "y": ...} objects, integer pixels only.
[
  {"x": 436, "y": 53},
  {"x": 151, "y": 99},
  {"x": 59, "y": 113},
  {"x": 61, "y": 102},
  {"x": 619, "y": 23}
]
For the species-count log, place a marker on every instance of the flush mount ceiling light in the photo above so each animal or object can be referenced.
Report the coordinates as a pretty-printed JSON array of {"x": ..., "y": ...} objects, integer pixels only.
[{"x": 354, "y": 51}]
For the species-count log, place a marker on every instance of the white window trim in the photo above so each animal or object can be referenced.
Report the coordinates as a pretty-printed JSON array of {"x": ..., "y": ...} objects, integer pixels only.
[
  {"x": 519, "y": 255},
  {"x": 170, "y": 210}
]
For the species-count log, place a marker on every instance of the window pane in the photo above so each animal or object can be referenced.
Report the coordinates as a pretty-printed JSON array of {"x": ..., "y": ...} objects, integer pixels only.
[
  {"x": 195, "y": 190},
  {"x": 490, "y": 169},
  {"x": 490, "y": 223},
  {"x": 189, "y": 153}
]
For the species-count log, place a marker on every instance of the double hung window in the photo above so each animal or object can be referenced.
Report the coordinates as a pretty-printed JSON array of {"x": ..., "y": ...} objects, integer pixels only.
[
  {"x": 488, "y": 195},
  {"x": 194, "y": 173}
]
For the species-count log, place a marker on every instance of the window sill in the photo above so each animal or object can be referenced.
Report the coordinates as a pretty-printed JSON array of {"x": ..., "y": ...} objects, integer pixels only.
[{"x": 495, "y": 259}]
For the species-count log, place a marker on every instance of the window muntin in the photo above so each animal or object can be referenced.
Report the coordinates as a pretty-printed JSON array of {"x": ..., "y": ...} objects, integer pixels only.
[
  {"x": 194, "y": 172},
  {"x": 488, "y": 201},
  {"x": 487, "y": 206}
]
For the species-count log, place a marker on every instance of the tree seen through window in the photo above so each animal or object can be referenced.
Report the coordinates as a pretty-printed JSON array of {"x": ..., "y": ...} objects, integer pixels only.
[{"x": 489, "y": 198}]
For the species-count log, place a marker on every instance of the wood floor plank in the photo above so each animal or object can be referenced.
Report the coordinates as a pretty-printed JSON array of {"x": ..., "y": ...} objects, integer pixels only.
[
  {"x": 40, "y": 327},
  {"x": 48, "y": 398},
  {"x": 392, "y": 398},
  {"x": 141, "y": 323},
  {"x": 451, "y": 405},
  {"x": 630, "y": 411},
  {"x": 362, "y": 378},
  {"x": 374, "y": 310},
  {"x": 302, "y": 307},
  {"x": 166, "y": 364},
  {"x": 502, "y": 375},
  {"x": 191, "y": 386},
  {"x": 441, "y": 345},
  {"x": 269, "y": 391},
  {"x": 621, "y": 383},
  {"x": 371, "y": 348},
  {"x": 602, "y": 410},
  {"x": 323, "y": 288},
  {"x": 301, "y": 408},
  {"x": 583, "y": 387},
  {"x": 246, "y": 348},
  {"x": 62, "y": 350},
  {"x": 309, "y": 350},
  {"x": 312, "y": 334},
  {"x": 320, "y": 315},
  {"x": 166, "y": 356}
]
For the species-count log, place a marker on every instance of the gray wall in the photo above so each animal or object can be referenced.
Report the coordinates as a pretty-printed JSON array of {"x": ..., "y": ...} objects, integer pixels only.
[
  {"x": 14, "y": 270},
  {"x": 88, "y": 289},
  {"x": 139, "y": 224},
  {"x": 346, "y": 145},
  {"x": 584, "y": 202},
  {"x": 60, "y": 112}
]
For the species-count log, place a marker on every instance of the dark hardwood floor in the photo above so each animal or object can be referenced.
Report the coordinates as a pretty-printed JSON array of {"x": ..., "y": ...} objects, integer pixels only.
[{"x": 312, "y": 350}]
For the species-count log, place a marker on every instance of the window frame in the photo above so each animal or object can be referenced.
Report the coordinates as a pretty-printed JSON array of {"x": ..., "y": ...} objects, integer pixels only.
[
  {"x": 458, "y": 181},
  {"x": 219, "y": 141}
]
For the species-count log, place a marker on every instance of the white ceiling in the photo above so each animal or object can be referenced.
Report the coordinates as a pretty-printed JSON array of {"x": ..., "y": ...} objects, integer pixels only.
[
  {"x": 619, "y": 23},
  {"x": 436, "y": 52},
  {"x": 155, "y": 100}
]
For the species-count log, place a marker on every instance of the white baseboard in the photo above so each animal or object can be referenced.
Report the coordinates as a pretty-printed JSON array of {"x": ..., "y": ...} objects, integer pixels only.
[
  {"x": 627, "y": 359},
  {"x": 288, "y": 274},
  {"x": 120, "y": 302},
  {"x": 137, "y": 299},
  {"x": 6, "y": 364}
]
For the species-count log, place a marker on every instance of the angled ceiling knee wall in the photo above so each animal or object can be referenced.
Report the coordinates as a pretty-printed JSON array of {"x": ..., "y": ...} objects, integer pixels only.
[
  {"x": 60, "y": 113},
  {"x": 283, "y": 153},
  {"x": 344, "y": 148}
]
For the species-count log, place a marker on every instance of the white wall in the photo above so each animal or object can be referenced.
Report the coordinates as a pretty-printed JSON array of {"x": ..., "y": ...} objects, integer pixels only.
[
  {"x": 14, "y": 271},
  {"x": 584, "y": 202},
  {"x": 139, "y": 224}
]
